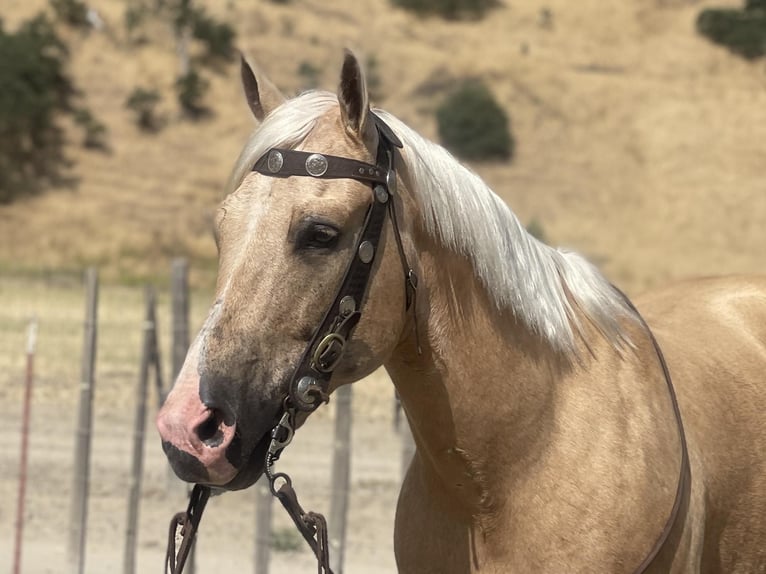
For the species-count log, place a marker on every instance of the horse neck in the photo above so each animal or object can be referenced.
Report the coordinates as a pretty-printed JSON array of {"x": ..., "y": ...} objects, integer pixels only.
[{"x": 493, "y": 408}]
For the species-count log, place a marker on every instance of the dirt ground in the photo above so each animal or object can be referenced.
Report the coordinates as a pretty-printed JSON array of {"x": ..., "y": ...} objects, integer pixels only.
[{"x": 227, "y": 534}]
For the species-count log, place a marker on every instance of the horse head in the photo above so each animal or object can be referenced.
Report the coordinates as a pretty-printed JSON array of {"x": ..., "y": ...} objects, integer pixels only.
[{"x": 285, "y": 245}]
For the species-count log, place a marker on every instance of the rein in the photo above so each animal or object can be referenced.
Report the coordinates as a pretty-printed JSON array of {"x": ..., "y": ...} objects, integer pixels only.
[
  {"x": 683, "y": 491},
  {"x": 310, "y": 381}
]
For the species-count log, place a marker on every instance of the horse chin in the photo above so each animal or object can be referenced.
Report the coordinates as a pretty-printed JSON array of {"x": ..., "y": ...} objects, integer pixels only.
[{"x": 253, "y": 468}]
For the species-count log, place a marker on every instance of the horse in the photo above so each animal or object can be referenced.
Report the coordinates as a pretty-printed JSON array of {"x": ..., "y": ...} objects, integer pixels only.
[{"x": 557, "y": 429}]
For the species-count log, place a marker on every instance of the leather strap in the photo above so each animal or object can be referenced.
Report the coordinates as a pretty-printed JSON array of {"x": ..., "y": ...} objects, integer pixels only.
[
  {"x": 295, "y": 162},
  {"x": 188, "y": 522},
  {"x": 311, "y": 378},
  {"x": 678, "y": 512}
]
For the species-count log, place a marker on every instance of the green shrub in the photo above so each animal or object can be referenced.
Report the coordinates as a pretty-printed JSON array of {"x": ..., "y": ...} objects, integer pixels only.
[
  {"x": 136, "y": 15},
  {"x": 72, "y": 12},
  {"x": 35, "y": 92},
  {"x": 190, "y": 90},
  {"x": 472, "y": 124},
  {"x": 286, "y": 540},
  {"x": 374, "y": 81},
  {"x": 143, "y": 103},
  {"x": 218, "y": 37},
  {"x": 449, "y": 9},
  {"x": 536, "y": 230},
  {"x": 741, "y": 31},
  {"x": 94, "y": 132},
  {"x": 309, "y": 75}
]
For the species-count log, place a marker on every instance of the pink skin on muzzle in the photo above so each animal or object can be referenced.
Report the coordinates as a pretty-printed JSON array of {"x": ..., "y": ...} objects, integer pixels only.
[{"x": 191, "y": 427}]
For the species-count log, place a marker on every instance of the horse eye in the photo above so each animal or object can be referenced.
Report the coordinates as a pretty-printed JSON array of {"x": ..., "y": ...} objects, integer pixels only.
[{"x": 315, "y": 235}]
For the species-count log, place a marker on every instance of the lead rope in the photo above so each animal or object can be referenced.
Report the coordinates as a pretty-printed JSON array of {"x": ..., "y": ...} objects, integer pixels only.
[
  {"x": 185, "y": 525},
  {"x": 311, "y": 525}
]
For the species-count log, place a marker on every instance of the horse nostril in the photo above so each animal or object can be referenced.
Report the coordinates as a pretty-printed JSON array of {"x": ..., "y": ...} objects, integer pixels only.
[{"x": 209, "y": 432}]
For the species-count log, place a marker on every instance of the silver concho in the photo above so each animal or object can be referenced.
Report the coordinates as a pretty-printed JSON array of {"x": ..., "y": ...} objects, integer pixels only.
[
  {"x": 381, "y": 194},
  {"x": 275, "y": 161},
  {"x": 366, "y": 251},
  {"x": 347, "y": 305},
  {"x": 305, "y": 386},
  {"x": 316, "y": 164}
]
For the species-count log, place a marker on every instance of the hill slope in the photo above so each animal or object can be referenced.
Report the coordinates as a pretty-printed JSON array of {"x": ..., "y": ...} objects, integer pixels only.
[{"x": 639, "y": 143}]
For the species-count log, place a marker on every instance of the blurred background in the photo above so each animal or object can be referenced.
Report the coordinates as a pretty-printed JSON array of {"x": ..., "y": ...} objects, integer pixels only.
[{"x": 633, "y": 131}]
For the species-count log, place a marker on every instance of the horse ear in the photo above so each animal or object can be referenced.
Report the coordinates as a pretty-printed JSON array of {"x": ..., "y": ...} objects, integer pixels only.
[
  {"x": 262, "y": 96},
  {"x": 352, "y": 95}
]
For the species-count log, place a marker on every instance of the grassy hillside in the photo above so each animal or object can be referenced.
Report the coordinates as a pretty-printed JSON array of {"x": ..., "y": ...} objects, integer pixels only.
[{"x": 639, "y": 143}]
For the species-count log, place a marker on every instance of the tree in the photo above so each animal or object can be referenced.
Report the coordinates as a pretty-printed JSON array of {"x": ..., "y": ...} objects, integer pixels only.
[
  {"x": 741, "y": 31},
  {"x": 472, "y": 124},
  {"x": 143, "y": 103},
  {"x": 35, "y": 92},
  {"x": 191, "y": 89}
]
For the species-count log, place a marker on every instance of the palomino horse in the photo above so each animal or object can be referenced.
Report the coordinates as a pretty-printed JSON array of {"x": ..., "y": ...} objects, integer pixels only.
[{"x": 547, "y": 431}]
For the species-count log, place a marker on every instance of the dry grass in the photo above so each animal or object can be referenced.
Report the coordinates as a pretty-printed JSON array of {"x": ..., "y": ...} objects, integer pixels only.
[
  {"x": 58, "y": 303},
  {"x": 637, "y": 139}
]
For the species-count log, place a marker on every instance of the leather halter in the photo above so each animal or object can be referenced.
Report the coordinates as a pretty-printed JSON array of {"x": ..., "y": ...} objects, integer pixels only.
[
  {"x": 311, "y": 378},
  {"x": 310, "y": 381}
]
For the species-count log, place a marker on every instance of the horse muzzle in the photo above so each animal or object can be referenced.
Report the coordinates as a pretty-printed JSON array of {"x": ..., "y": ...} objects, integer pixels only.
[{"x": 199, "y": 440}]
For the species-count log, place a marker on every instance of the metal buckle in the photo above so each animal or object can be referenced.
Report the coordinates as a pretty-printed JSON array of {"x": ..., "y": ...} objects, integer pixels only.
[{"x": 328, "y": 353}]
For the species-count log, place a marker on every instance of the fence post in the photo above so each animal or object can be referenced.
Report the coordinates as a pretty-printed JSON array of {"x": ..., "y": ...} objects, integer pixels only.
[
  {"x": 263, "y": 511},
  {"x": 179, "y": 289},
  {"x": 397, "y": 411},
  {"x": 180, "y": 304},
  {"x": 79, "y": 512},
  {"x": 148, "y": 354},
  {"x": 408, "y": 446},
  {"x": 29, "y": 381},
  {"x": 340, "y": 478}
]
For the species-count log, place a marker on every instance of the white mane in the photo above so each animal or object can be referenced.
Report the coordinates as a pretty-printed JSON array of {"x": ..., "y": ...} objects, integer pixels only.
[{"x": 538, "y": 283}]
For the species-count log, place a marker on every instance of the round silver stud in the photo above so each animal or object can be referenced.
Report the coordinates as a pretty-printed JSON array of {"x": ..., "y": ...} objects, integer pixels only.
[
  {"x": 275, "y": 161},
  {"x": 347, "y": 305},
  {"x": 305, "y": 386},
  {"x": 381, "y": 194},
  {"x": 366, "y": 252},
  {"x": 316, "y": 164}
]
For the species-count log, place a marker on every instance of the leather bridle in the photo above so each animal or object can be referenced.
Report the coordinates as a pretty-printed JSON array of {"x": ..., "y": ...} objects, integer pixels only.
[{"x": 310, "y": 381}]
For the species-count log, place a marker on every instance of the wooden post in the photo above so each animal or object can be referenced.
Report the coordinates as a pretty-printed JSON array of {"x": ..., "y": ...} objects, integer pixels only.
[
  {"x": 31, "y": 343},
  {"x": 79, "y": 513},
  {"x": 397, "y": 412},
  {"x": 340, "y": 478},
  {"x": 408, "y": 446},
  {"x": 148, "y": 353},
  {"x": 180, "y": 304},
  {"x": 179, "y": 287},
  {"x": 263, "y": 510}
]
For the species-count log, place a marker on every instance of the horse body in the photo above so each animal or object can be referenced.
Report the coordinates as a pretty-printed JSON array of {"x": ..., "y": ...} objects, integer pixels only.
[
  {"x": 713, "y": 333},
  {"x": 546, "y": 435},
  {"x": 574, "y": 468}
]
